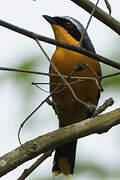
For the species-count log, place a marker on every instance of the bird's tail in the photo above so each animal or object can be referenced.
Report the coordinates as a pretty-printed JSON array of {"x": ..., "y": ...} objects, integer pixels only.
[{"x": 64, "y": 159}]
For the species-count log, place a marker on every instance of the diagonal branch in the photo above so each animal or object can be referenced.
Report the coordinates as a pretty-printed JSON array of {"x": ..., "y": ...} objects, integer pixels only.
[
  {"x": 89, "y": 20},
  {"x": 61, "y": 44},
  {"x": 52, "y": 140},
  {"x": 28, "y": 171},
  {"x": 108, "y": 6}
]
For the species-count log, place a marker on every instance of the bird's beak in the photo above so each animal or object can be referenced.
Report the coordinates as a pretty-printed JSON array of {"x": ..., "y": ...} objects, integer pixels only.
[{"x": 49, "y": 19}]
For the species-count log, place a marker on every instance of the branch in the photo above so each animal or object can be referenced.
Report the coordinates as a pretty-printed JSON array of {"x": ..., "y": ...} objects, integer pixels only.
[
  {"x": 108, "y": 6},
  {"x": 99, "y": 14},
  {"x": 56, "y": 75},
  {"x": 52, "y": 140},
  {"x": 88, "y": 23},
  {"x": 25, "y": 71},
  {"x": 28, "y": 171},
  {"x": 61, "y": 44},
  {"x": 103, "y": 107}
]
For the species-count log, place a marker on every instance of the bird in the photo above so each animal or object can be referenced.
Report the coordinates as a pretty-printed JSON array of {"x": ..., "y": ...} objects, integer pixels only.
[{"x": 69, "y": 63}]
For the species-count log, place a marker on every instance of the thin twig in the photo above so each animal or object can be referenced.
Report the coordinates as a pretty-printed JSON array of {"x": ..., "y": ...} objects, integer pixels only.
[
  {"x": 25, "y": 71},
  {"x": 43, "y": 83},
  {"x": 35, "y": 84},
  {"x": 56, "y": 75},
  {"x": 98, "y": 80},
  {"x": 49, "y": 74},
  {"x": 108, "y": 6},
  {"x": 22, "y": 124},
  {"x": 28, "y": 171},
  {"x": 110, "y": 75},
  {"x": 71, "y": 83},
  {"x": 39, "y": 73},
  {"x": 88, "y": 23}
]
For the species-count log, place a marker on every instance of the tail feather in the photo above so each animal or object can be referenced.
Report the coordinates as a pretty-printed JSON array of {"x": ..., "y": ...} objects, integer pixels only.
[{"x": 64, "y": 159}]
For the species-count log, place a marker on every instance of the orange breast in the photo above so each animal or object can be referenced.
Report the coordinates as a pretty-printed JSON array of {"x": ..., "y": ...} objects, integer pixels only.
[{"x": 67, "y": 108}]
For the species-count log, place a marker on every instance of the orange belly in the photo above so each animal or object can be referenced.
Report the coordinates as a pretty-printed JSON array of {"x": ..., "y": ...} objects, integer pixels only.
[{"x": 66, "y": 107}]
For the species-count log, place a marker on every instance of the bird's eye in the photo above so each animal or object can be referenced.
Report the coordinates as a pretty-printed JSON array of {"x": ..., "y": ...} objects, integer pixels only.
[{"x": 68, "y": 24}]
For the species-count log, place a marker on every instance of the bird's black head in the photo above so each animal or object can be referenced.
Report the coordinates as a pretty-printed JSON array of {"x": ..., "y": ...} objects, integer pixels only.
[{"x": 74, "y": 28}]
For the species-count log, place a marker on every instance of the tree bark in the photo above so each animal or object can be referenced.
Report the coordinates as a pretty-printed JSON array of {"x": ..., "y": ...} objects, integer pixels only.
[{"x": 52, "y": 140}]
